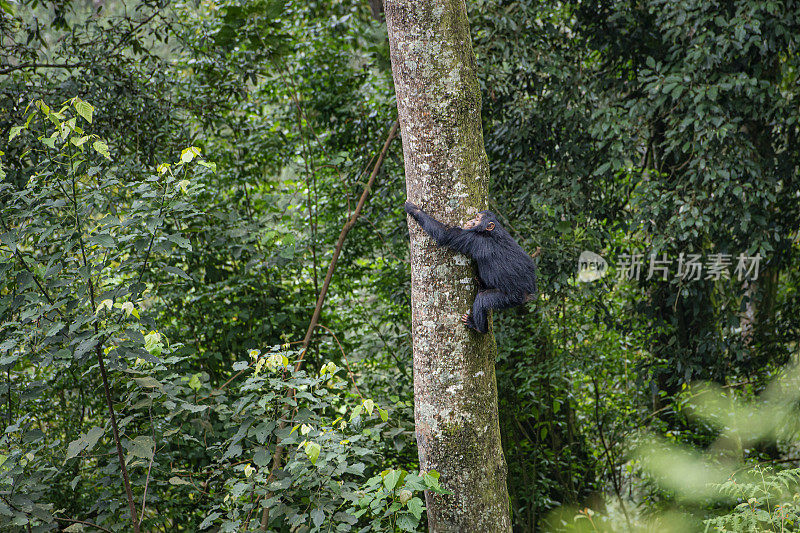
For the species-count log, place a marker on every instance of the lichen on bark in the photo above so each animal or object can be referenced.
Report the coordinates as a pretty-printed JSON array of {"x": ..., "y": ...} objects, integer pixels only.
[{"x": 438, "y": 101}]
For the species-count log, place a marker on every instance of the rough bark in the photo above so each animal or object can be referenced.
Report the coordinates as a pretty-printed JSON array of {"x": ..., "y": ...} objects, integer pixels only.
[{"x": 455, "y": 391}]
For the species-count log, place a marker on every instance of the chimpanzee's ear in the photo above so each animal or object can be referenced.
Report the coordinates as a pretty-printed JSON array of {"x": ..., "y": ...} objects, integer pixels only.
[{"x": 490, "y": 226}]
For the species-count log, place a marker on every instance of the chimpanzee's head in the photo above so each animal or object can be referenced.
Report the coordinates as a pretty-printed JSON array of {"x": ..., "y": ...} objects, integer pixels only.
[{"x": 483, "y": 221}]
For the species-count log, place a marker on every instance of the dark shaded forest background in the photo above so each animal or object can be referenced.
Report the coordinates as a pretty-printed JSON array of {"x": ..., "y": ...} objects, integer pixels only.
[{"x": 177, "y": 233}]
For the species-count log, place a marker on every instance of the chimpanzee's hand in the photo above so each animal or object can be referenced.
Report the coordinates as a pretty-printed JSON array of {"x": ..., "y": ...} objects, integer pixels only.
[{"x": 412, "y": 209}]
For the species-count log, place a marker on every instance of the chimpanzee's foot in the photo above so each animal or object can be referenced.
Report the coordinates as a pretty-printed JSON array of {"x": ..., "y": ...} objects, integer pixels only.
[{"x": 466, "y": 319}]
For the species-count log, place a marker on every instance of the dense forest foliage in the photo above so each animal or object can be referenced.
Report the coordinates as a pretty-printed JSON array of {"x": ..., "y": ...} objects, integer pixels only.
[{"x": 176, "y": 175}]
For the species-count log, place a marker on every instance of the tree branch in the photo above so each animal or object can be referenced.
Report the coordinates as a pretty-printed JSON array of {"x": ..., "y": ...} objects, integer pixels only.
[
  {"x": 339, "y": 243},
  {"x": 23, "y": 66},
  {"x": 101, "y": 363},
  {"x": 33, "y": 275},
  {"x": 71, "y": 521},
  {"x": 612, "y": 470},
  {"x": 277, "y": 457}
]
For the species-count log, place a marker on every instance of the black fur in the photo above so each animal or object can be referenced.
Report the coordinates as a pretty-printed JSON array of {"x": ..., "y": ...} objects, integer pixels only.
[{"x": 506, "y": 273}]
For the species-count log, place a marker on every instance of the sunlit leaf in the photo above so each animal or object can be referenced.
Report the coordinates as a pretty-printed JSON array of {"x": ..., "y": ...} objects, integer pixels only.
[
  {"x": 101, "y": 148},
  {"x": 189, "y": 153},
  {"x": 85, "y": 110},
  {"x": 312, "y": 450},
  {"x": 15, "y": 130},
  {"x": 369, "y": 405}
]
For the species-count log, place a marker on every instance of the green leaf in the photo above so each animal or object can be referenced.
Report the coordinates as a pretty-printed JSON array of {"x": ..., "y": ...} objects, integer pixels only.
[
  {"x": 175, "y": 480},
  {"x": 85, "y": 346},
  {"x": 142, "y": 447},
  {"x": 369, "y": 405},
  {"x": 180, "y": 241},
  {"x": 261, "y": 458},
  {"x": 105, "y": 304},
  {"x": 193, "y": 408},
  {"x": 602, "y": 168},
  {"x": 9, "y": 358},
  {"x": 129, "y": 309},
  {"x": 188, "y": 154},
  {"x": 153, "y": 344},
  {"x": 14, "y": 132},
  {"x": 148, "y": 382},
  {"x": 86, "y": 442},
  {"x": 177, "y": 271},
  {"x": 281, "y": 484},
  {"x": 406, "y": 522},
  {"x": 9, "y": 238},
  {"x": 85, "y": 110},
  {"x": 101, "y": 148},
  {"x": 195, "y": 383},
  {"x": 318, "y": 516},
  {"x": 312, "y": 450},
  {"x": 234, "y": 450},
  {"x": 208, "y": 521},
  {"x": 391, "y": 478},
  {"x": 356, "y": 412},
  {"x": 103, "y": 239},
  {"x": 384, "y": 414},
  {"x": 212, "y": 166},
  {"x": 92, "y": 436},
  {"x": 415, "y": 507},
  {"x": 431, "y": 478}
]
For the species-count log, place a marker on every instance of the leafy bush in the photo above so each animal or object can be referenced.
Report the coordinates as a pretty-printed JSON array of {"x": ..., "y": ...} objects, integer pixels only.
[
  {"x": 328, "y": 449},
  {"x": 389, "y": 498},
  {"x": 107, "y": 421},
  {"x": 770, "y": 501},
  {"x": 79, "y": 239}
]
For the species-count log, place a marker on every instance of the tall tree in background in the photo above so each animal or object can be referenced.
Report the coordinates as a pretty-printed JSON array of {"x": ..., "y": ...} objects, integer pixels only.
[{"x": 439, "y": 103}]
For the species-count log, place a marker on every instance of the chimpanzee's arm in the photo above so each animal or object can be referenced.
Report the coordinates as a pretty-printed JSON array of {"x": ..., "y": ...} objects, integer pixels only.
[
  {"x": 453, "y": 237},
  {"x": 432, "y": 227}
]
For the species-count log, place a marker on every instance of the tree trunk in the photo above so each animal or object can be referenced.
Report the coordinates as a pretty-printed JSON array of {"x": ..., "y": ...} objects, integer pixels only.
[{"x": 447, "y": 174}]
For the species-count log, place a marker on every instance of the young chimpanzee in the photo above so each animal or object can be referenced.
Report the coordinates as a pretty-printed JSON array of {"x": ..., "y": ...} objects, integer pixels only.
[{"x": 506, "y": 274}]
